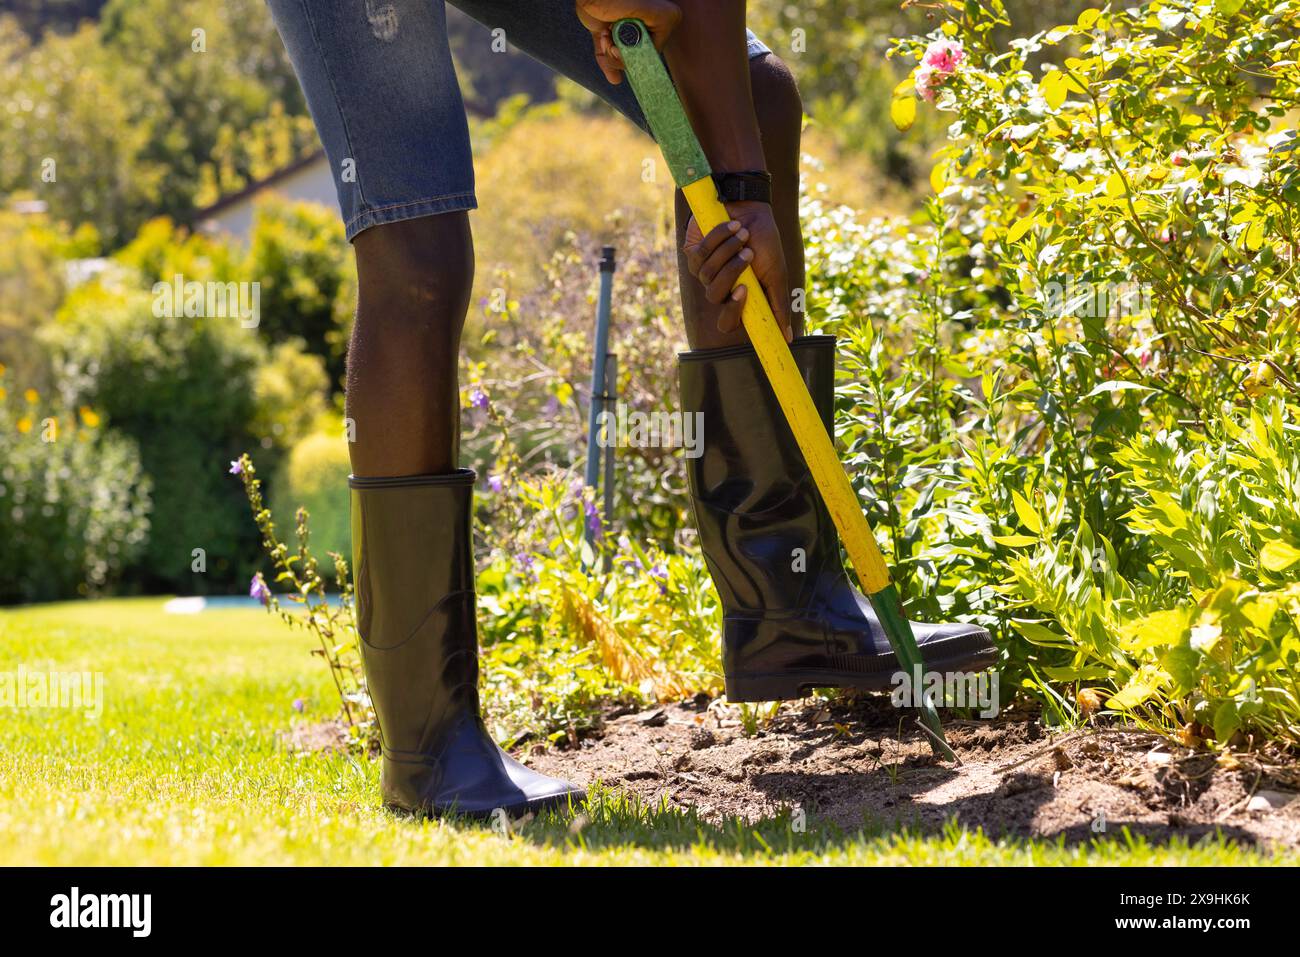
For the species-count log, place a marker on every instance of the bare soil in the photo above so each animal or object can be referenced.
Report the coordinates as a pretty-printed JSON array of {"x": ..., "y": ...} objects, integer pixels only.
[{"x": 853, "y": 763}]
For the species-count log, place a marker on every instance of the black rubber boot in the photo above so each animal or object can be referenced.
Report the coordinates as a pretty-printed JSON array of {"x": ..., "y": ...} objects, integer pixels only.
[
  {"x": 792, "y": 618},
  {"x": 411, "y": 550}
]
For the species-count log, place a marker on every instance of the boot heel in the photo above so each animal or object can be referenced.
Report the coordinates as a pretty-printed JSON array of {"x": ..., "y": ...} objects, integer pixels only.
[{"x": 742, "y": 688}]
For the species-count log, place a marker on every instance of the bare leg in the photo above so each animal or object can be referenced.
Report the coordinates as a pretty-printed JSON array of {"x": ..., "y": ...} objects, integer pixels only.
[
  {"x": 414, "y": 280},
  {"x": 780, "y": 119}
]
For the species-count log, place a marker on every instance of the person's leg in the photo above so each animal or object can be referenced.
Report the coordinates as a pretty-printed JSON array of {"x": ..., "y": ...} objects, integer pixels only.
[
  {"x": 414, "y": 280},
  {"x": 780, "y": 120},
  {"x": 382, "y": 90}
]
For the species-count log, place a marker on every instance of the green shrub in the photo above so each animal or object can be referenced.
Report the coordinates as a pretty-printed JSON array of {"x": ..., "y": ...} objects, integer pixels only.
[
  {"x": 182, "y": 388},
  {"x": 315, "y": 477},
  {"x": 74, "y": 501},
  {"x": 1206, "y": 643},
  {"x": 192, "y": 391},
  {"x": 289, "y": 391},
  {"x": 304, "y": 266},
  {"x": 1108, "y": 255}
]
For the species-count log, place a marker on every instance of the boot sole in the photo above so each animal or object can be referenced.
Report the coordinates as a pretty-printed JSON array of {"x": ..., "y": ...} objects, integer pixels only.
[
  {"x": 794, "y": 684},
  {"x": 556, "y": 802}
]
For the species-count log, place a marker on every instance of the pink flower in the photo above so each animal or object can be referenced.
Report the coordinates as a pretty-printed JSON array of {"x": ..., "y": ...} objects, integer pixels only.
[
  {"x": 943, "y": 56},
  {"x": 925, "y": 83},
  {"x": 939, "y": 62}
]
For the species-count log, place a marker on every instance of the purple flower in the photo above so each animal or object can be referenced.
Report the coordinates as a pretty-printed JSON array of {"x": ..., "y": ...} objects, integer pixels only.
[
  {"x": 478, "y": 398},
  {"x": 299, "y": 705},
  {"x": 659, "y": 573},
  {"x": 236, "y": 467},
  {"x": 527, "y": 564},
  {"x": 593, "y": 518},
  {"x": 494, "y": 482},
  {"x": 257, "y": 589}
]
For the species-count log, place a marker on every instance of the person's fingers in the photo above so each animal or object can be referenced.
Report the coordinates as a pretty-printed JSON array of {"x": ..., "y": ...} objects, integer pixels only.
[
  {"x": 660, "y": 16},
  {"x": 663, "y": 22},
  {"x": 700, "y": 250},
  {"x": 607, "y": 57},
  {"x": 723, "y": 257},
  {"x": 719, "y": 288},
  {"x": 730, "y": 318}
]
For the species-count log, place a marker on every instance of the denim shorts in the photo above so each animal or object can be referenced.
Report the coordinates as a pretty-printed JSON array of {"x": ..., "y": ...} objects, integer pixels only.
[{"x": 381, "y": 86}]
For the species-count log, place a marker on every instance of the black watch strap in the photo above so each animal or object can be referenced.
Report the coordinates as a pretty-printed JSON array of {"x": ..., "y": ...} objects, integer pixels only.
[{"x": 754, "y": 185}]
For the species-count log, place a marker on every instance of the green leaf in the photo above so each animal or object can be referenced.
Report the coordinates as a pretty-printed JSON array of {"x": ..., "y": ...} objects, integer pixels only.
[
  {"x": 1037, "y": 634},
  {"x": 1159, "y": 629},
  {"x": 1138, "y": 690},
  {"x": 1015, "y": 541},
  {"x": 902, "y": 110},
  {"x": 1053, "y": 88},
  {"x": 1226, "y": 721},
  {"x": 1278, "y": 556},
  {"x": 1253, "y": 237},
  {"x": 1018, "y": 230},
  {"x": 1088, "y": 18},
  {"x": 1119, "y": 385},
  {"x": 1028, "y": 517}
]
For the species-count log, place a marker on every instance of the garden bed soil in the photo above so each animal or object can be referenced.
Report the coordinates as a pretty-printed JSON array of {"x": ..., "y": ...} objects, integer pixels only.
[{"x": 852, "y": 763}]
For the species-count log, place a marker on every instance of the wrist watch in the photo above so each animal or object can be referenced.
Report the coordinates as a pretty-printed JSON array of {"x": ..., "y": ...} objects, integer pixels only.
[{"x": 751, "y": 185}]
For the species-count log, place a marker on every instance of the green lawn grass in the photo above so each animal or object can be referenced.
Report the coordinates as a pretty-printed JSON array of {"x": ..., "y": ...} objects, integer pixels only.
[{"x": 185, "y": 766}]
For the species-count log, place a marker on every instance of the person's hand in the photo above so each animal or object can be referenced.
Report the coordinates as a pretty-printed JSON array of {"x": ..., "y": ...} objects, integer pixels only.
[
  {"x": 717, "y": 260},
  {"x": 599, "y": 17}
]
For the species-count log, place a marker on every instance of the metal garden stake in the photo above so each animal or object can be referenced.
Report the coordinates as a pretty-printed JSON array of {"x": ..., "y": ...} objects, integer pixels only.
[{"x": 600, "y": 387}]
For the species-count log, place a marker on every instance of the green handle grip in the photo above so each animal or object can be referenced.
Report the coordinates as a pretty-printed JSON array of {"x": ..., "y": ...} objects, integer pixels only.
[{"x": 659, "y": 100}]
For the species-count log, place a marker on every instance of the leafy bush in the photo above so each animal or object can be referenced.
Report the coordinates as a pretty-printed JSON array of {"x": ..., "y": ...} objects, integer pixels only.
[
  {"x": 74, "y": 501},
  {"x": 308, "y": 286},
  {"x": 314, "y": 477},
  {"x": 528, "y": 163},
  {"x": 155, "y": 109},
  {"x": 1206, "y": 643},
  {"x": 192, "y": 391},
  {"x": 564, "y": 631},
  {"x": 182, "y": 388},
  {"x": 1108, "y": 255}
]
